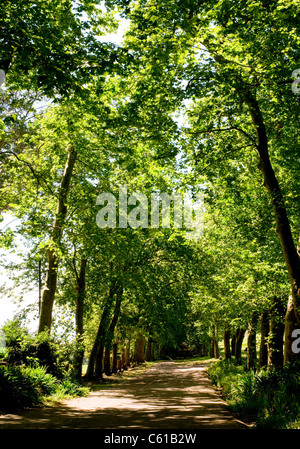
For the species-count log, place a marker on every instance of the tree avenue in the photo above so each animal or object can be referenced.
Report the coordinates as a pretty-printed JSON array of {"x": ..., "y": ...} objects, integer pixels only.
[{"x": 197, "y": 99}]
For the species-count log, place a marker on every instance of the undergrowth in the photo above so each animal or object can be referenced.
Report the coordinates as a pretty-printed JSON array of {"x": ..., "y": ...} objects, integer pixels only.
[
  {"x": 267, "y": 398},
  {"x": 35, "y": 371}
]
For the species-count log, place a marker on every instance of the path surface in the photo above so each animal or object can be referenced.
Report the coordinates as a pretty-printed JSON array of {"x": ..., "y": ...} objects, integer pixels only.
[{"x": 166, "y": 396}]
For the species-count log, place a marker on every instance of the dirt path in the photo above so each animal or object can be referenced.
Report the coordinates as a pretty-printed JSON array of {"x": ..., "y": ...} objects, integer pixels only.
[{"x": 166, "y": 396}]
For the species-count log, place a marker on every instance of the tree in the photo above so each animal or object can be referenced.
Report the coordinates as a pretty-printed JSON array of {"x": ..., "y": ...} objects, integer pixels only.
[
  {"x": 33, "y": 59},
  {"x": 234, "y": 90}
]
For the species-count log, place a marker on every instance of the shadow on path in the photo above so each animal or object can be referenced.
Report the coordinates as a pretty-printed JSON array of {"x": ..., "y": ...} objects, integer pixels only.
[{"x": 167, "y": 396}]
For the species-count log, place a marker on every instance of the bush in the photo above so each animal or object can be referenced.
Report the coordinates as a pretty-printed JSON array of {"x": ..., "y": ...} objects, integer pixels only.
[
  {"x": 22, "y": 387},
  {"x": 269, "y": 398},
  {"x": 37, "y": 368},
  {"x": 25, "y": 349}
]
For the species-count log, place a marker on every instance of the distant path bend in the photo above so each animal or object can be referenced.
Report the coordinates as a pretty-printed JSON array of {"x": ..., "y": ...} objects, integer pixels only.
[{"x": 166, "y": 396}]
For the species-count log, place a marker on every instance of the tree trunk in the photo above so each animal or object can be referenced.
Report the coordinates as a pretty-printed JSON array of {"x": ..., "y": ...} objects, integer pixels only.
[
  {"x": 283, "y": 229},
  {"x": 115, "y": 358},
  {"x": 95, "y": 360},
  {"x": 139, "y": 348},
  {"x": 226, "y": 338},
  {"x": 149, "y": 349},
  {"x": 123, "y": 364},
  {"x": 216, "y": 343},
  {"x": 263, "y": 349},
  {"x": 97, "y": 350},
  {"x": 276, "y": 334},
  {"x": 290, "y": 324},
  {"x": 107, "y": 365},
  {"x": 251, "y": 344},
  {"x": 48, "y": 293},
  {"x": 233, "y": 345},
  {"x": 239, "y": 337},
  {"x": 111, "y": 330},
  {"x": 80, "y": 293},
  {"x": 99, "y": 359},
  {"x": 127, "y": 353},
  {"x": 95, "y": 365},
  {"x": 216, "y": 349}
]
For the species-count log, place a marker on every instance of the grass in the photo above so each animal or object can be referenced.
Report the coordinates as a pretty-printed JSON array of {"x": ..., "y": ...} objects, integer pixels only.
[
  {"x": 269, "y": 399},
  {"x": 25, "y": 386}
]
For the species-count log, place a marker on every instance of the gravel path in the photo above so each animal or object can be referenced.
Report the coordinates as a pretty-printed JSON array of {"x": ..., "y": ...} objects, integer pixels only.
[{"x": 166, "y": 396}]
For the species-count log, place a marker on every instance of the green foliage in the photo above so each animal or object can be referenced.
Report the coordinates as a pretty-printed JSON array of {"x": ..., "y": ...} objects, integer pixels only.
[
  {"x": 74, "y": 54},
  {"x": 23, "y": 348},
  {"x": 269, "y": 398},
  {"x": 22, "y": 387},
  {"x": 167, "y": 111},
  {"x": 36, "y": 370}
]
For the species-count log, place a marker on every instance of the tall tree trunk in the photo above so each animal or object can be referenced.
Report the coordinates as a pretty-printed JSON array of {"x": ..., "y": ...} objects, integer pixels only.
[
  {"x": 290, "y": 324},
  {"x": 80, "y": 294},
  {"x": 123, "y": 365},
  {"x": 111, "y": 330},
  {"x": 283, "y": 229},
  {"x": 95, "y": 361},
  {"x": 95, "y": 365},
  {"x": 115, "y": 358},
  {"x": 264, "y": 331},
  {"x": 233, "y": 338},
  {"x": 251, "y": 344},
  {"x": 226, "y": 338},
  {"x": 127, "y": 353},
  {"x": 106, "y": 362},
  {"x": 98, "y": 374},
  {"x": 149, "y": 349},
  {"x": 48, "y": 294},
  {"x": 139, "y": 348},
  {"x": 97, "y": 350},
  {"x": 239, "y": 337},
  {"x": 216, "y": 343},
  {"x": 276, "y": 333}
]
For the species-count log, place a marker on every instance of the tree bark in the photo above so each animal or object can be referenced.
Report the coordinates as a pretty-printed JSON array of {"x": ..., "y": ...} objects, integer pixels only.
[
  {"x": 149, "y": 350},
  {"x": 212, "y": 347},
  {"x": 226, "y": 338},
  {"x": 251, "y": 343},
  {"x": 139, "y": 348},
  {"x": 233, "y": 345},
  {"x": 216, "y": 343},
  {"x": 95, "y": 365},
  {"x": 127, "y": 353},
  {"x": 263, "y": 349},
  {"x": 123, "y": 365},
  {"x": 240, "y": 333},
  {"x": 276, "y": 334},
  {"x": 80, "y": 294},
  {"x": 106, "y": 362},
  {"x": 97, "y": 350},
  {"x": 48, "y": 294},
  {"x": 283, "y": 228},
  {"x": 114, "y": 358},
  {"x": 111, "y": 330},
  {"x": 290, "y": 324}
]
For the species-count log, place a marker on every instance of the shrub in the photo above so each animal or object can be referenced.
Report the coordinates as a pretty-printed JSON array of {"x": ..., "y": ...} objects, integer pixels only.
[
  {"x": 22, "y": 387},
  {"x": 270, "y": 398},
  {"x": 25, "y": 349},
  {"x": 19, "y": 388}
]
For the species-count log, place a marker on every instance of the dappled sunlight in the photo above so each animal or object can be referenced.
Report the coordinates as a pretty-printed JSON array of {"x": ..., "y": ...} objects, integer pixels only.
[{"x": 165, "y": 396}]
